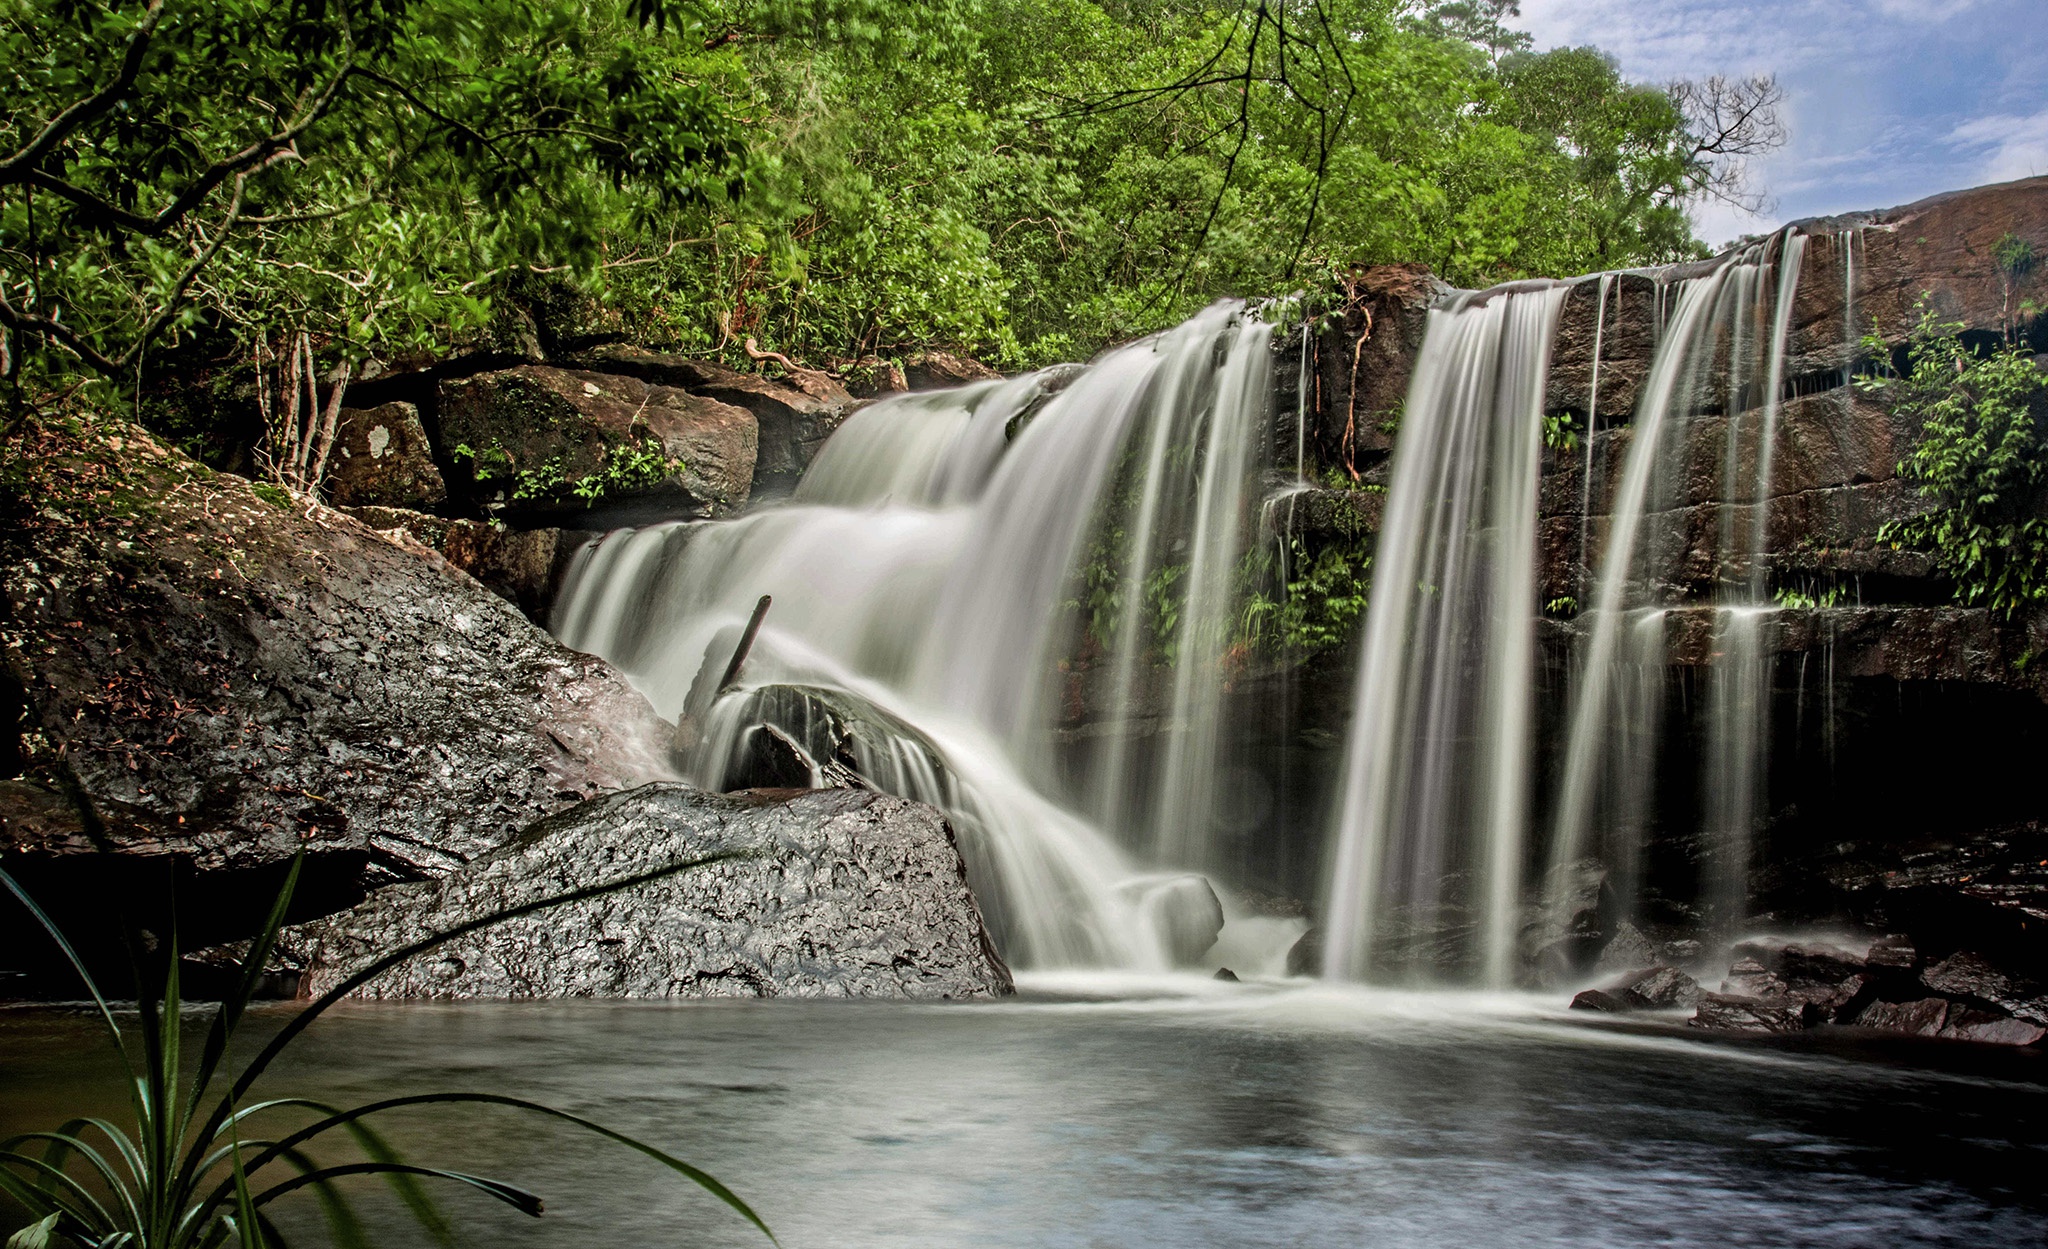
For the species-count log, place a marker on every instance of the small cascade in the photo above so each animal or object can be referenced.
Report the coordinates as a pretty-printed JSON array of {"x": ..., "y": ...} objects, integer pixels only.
[
  {"x": 926, "y": 582},
  {"x": 1723, "y": 349},
  {"x": 1433, "y": 810}
]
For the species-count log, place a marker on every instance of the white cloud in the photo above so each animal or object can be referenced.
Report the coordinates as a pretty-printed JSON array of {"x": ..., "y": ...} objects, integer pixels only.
[
  {"x": 2011, "y": 147},
  {"x": 1925, "y": 10}
]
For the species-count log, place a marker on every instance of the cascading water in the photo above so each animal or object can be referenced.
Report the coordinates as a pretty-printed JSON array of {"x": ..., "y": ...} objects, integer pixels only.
[
  {"x": 1428, "y": 877},
  {"x": 1730, "y": 319},
  {"x": 1433, "y": 806},
  {"x": 924, "y": 569}
]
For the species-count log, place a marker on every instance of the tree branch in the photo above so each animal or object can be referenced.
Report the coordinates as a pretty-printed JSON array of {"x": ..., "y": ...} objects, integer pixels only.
[{"x": 16, "y": 166}]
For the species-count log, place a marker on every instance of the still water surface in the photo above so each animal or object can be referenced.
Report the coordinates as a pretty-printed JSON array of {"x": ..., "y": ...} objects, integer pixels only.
[{"x": 1174, "y": 1114}]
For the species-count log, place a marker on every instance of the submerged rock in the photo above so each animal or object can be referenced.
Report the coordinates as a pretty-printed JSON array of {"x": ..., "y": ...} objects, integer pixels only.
[
  {"x": 1183, "y": 910},
  {"x": 831, "y": 893}
]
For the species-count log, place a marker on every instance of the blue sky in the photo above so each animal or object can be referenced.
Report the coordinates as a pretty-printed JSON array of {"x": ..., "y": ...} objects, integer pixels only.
[{"x": 1890, "y": 100}]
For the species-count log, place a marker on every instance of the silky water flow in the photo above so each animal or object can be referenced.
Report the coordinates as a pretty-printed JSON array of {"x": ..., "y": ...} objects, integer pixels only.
[{"x": 924, "y": 579}]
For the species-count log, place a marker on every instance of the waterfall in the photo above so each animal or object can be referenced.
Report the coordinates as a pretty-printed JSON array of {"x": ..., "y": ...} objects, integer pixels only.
[
  {"x": 1433, "y": 803},
  {"x": 933, "y": 570},
  {"x": 1728, "y": 320}
]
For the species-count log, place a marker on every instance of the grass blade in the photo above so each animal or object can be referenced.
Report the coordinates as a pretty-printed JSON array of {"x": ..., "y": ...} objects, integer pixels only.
[
  {"x": 701, "y": 1178},
  {"x": 57, "y": 935},
  {"x": 305, "y": 1018},
  {"x": 525, "y": 1202}
]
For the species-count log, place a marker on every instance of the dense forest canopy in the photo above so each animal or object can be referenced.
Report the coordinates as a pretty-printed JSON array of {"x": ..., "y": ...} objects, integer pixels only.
[{"x": 1025, "y": 180}]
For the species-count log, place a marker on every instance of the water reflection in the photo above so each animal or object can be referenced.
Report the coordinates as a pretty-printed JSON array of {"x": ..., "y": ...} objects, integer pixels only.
[{"x": 1198, "y": 1114}]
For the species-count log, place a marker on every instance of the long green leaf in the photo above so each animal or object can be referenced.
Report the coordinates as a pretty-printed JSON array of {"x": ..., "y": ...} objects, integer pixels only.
[
  {"x": 511, "y": 1195},
  {"x": 66, "y": 1141},
  {"x": 407, "y": 1187},
  {"x": 81, "y": 1205},
  {"x": 77, "y": 963},
  {"x": 703, "y": 1179},
  {"x": 232, "y": 1007},
  {"x": 305, "y": 1018}
]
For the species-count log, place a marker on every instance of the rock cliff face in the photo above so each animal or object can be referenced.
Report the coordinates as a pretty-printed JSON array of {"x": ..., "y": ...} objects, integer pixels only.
[
  {"x": 824, "y": 893},
  {"x": 202, "y": 678}
]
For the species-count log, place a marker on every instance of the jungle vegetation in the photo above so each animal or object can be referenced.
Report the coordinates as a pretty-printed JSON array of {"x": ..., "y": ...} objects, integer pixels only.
[{"x": 293, "y": 186}]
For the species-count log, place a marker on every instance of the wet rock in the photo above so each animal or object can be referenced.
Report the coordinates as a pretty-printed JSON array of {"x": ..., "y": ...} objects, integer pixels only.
[
  {"x": 382, "y": 458},
  {"x": 1943, "y": 247},
  {"x": 834, "y": 737},
  {"x": 1738, "y": 1013},
  {"x": 1967, "y": 1023},
  {"x": 1831, "y": 980},
  {"x": 939, "y": 370},
  {"x": 872, "y": 378},
  {"x": 1360, "y": 363},
  {"x": 1305, "y": 956},
  {"x": 1183, "y": 910},
  {"x": 1920, "y": 1017},
  {"x": 1227, "y": 975},
  {"x": 1894, "y": 951},
  {"x": 1562, "y": 935},
  {"x": 1601, "y": 1000},
  {"x": 1967, "y": 975},
  {"x": 215, "y": 679},
  {"x": 543, "y": 442},
  {"x": 1627, "y": 950},
  {"x": 522, "y": 566},
  {"x": 1654, "y": 988},
  {"x": 832, "y": 893}
]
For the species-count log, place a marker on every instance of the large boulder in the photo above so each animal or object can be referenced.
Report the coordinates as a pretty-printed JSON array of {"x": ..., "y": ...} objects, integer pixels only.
[
  {"x": 796, "y": 413},
  {"x": 826, "y": 893},
  {"x": 382, "y": 458},
  {"x": 539, "y": 442},
  {"x": 205, "y": 676}
]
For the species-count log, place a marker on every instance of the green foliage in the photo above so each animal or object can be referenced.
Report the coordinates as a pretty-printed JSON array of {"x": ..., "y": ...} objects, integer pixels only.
[
  {"x": 625, "y": 468},
  {"x": 1979, "y": 462},
  {"x": 1812, "y": 598},
  {"x": 200, "y": 1163},
  {"x": 1026, "y": 180},
  {"x": 1560, "y": 431},
  {"x": 1318, "y": 605}
]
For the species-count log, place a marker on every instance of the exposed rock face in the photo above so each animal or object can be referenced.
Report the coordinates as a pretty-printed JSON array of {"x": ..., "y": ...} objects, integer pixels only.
[
  {"x": 209, "y": 679},
  {"x": 795, "y": 414},
  {"x": 382, "y": 458},
  {"x": 560, "y": 428},
  {"x": 831, "y": 893},
  {"x": 937, "y": 370}
]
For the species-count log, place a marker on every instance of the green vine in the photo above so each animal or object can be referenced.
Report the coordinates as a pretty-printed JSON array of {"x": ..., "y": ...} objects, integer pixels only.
[{"x": 1979, "y": 461}]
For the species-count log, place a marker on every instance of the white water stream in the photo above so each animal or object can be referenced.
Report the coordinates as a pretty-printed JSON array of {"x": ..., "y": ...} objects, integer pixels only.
[{"x": 926, "y": 568}]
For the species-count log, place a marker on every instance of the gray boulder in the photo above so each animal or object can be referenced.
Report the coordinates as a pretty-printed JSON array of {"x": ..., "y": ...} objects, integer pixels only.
[
  {"x": 830, "y": 893},
  {"x": 211, "y": 678}
]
